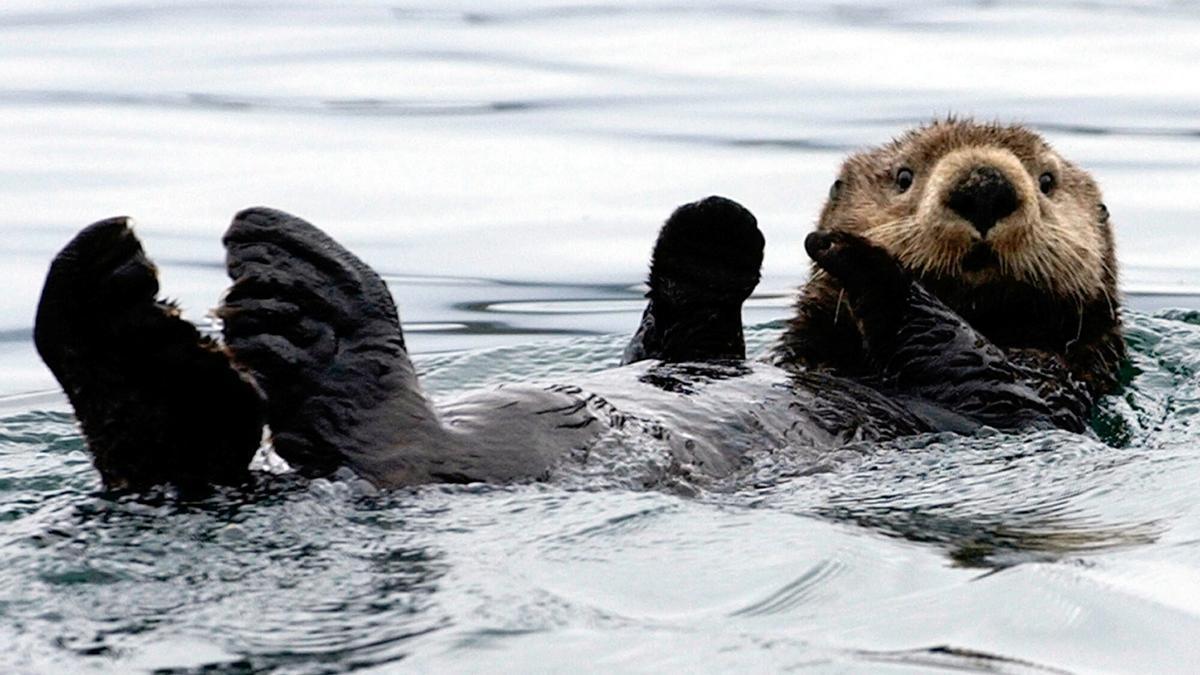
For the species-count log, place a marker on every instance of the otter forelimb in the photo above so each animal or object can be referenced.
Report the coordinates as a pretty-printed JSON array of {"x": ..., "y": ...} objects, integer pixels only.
[
  {"x": 706, "y": 262},
  {"x": 919, "y": 347}
]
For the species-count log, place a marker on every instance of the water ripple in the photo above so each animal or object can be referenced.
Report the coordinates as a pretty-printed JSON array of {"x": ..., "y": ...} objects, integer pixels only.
[{"x": 366, "y": 106}]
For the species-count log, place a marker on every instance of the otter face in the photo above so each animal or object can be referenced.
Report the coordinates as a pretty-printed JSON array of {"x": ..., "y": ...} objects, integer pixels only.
[{"x": 978, "y": 205}]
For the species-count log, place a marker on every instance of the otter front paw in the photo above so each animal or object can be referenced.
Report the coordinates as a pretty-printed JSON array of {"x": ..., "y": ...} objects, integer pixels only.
[
  {"x": 708, "y": 251},
  {"x": 858, "y": 264},
  {"x": 705, "y": 263},
  {"x": 877, "y": 289}
]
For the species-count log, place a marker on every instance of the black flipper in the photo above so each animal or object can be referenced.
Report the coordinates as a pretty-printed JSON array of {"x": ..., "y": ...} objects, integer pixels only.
[
  {"x": 706, "y": 262},
  {"x": 924, "y": 349},
  {"x": 158, "y": 402},
  {"x": 320, "y": 332}
]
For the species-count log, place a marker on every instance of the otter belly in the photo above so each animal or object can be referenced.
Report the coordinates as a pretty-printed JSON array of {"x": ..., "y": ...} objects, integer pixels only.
[{"x": 651, "y": 422}]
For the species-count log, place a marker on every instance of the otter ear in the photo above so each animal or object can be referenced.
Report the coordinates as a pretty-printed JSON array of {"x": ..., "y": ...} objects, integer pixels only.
[{"x": 854, "y": 261}]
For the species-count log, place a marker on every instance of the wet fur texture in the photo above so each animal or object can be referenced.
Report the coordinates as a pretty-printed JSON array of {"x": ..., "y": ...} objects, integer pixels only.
[
  {"x": 705, "y": 264},
  {"x": 158, "y": 402},
  {"x": 1040, "y": 285},
  {"x": 319, "y": 333},
  {"x": 907, "y": 326}
]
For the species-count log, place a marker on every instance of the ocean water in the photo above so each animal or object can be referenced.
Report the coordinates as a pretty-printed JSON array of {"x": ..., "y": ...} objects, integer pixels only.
[{"x": 505, "y": 166}]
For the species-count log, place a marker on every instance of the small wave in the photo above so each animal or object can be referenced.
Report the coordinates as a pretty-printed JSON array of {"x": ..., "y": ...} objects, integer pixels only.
[
  {"x": 796, "y": 592},
  {"x": 374, "y": 106},
  {"x": 958, "y": 659}
]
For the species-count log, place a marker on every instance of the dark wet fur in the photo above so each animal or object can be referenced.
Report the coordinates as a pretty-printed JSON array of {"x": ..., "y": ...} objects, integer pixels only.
[
  {"x": 1069, "y": 355},
  {"x": 158, "y": 403},
  {"x": 706, "y": 262},
  {"x": 319, "y": 332},
  {"x": 1084, "y": 339},
  {"x": 916, "y": 346}
]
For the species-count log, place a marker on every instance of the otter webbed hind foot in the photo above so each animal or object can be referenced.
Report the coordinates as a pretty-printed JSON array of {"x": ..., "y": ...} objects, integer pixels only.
[
  {"x": 706, "y": 262},
  {"x": 158, "y": 402},
  {"x": 320, "y": 332}
]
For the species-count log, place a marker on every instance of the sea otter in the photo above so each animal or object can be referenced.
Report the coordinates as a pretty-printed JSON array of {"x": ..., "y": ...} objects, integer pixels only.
[{"x": 890, "y": 339}]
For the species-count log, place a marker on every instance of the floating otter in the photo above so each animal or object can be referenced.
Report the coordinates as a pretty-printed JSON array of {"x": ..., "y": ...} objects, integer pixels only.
[{"x": 890, "y": 339}]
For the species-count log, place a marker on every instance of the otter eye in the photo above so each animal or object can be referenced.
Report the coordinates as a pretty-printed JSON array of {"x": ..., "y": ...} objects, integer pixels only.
[
  {"x": 904, "y": 179},
  {"x": 1103, "y": 213},
  {"x": 835, "y": 189},
  {"x": 1046, "y": 182}
]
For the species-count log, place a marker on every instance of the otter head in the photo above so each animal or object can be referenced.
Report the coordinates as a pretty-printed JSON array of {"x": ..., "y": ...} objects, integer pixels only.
[
  {"x": 994, "y": 221},
  {"x": 980, "y": 205},
  {"x": 988, "y": 217}
]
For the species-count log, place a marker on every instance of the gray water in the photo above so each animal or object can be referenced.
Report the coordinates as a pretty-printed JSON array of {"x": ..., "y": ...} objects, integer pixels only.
[{"x": 505, "y": 165}]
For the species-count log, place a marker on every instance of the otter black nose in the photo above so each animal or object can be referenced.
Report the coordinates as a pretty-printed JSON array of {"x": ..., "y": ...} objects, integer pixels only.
[{"x": 984, "y": 197}]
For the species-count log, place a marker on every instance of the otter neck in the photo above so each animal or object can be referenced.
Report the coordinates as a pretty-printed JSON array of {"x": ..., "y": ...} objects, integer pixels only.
[{"x": 1018, "y": 315}]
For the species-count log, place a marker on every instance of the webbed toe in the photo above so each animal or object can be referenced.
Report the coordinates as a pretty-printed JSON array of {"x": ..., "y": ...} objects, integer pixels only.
[
  {"x": 159, "y": 403},
  {"x": 320, "y": 332}
]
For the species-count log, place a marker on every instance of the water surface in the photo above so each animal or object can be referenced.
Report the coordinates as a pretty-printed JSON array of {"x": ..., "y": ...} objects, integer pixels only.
[{"x": 505, "y": 165}]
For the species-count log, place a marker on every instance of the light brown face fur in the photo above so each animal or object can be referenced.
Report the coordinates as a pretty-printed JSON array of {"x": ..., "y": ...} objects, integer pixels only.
[{"x": 1058, "y": 240}]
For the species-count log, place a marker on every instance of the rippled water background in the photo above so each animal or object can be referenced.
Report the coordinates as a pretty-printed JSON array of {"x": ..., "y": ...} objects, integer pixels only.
[{"x": 505, "y": 164}]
